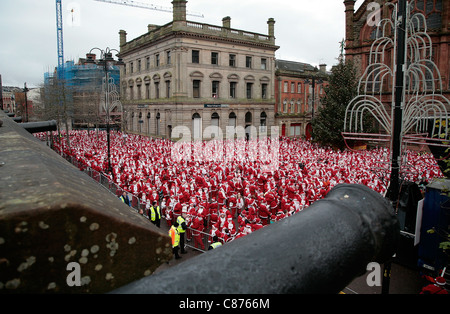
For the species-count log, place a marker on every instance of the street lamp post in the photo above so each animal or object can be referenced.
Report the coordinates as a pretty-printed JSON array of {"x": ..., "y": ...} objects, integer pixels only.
[
  {"x": 25, "y": 90},
  {"x": 319, "y": 81},
  {"x": 105, "y": 57}
]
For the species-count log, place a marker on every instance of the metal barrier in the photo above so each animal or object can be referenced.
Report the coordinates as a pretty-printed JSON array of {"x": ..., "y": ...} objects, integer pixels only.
[{"x": 200, "y": 244}]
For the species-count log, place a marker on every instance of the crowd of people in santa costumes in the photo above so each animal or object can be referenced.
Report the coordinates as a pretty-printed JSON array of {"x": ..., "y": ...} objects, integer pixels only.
[{"x": 232, "y": 197}]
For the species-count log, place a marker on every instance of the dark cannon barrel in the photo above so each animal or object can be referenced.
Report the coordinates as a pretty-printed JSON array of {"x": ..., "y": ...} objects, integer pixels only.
[
  {"x": 40, "y": 126},
  {"x": 319, "y": 250}
]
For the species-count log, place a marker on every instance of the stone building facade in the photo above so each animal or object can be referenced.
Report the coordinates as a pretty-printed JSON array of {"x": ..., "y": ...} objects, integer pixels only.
[{"x": 198, "y": 77}]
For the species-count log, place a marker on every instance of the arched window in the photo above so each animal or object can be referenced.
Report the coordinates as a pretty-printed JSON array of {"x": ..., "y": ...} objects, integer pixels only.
[
  {"x": 232, "y": 119},
  {"x": 248, "y": 118},
  {"x": 158, "y": 121},
  {"x": 215, "y": 124},
  {"x": 148, "y": 122},
  {"x": 248, "y": 124},
  {"x": 263, "y": 122},
  {"x": 197, "y": 126},
  {"x": 140, "y": 121}
]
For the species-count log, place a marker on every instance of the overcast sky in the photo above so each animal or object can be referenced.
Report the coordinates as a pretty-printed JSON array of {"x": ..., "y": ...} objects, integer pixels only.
[{"x": 306, "y": 30}]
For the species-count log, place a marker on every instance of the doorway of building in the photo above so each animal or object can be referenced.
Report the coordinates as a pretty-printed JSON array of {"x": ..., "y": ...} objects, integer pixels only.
[{"x": 308, "y": 131}]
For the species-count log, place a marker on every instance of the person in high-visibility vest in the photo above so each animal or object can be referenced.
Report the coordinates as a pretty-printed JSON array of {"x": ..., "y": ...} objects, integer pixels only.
[
  {"x": 124, "y": 198},
  {"x": 215, "y": 243},
  {"x": 182, "y": 229},
  {"x": 175, "y": 235},
  {"x": 155, "y": 214}
]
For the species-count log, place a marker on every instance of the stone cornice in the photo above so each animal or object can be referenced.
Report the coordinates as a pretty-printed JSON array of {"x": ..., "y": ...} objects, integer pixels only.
[{"x": 201, "y": 31}]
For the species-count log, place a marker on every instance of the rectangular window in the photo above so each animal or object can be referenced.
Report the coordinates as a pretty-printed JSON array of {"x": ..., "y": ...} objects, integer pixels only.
[
  {"x": 285, "y": 90},
  {"x": 264, "y": 91},
  {"x": 131, "y": 67},
  {"x": 156, "y": 90},
  {"x": 196, "y": 89},
  {"x": 232, "y": 60},
  {"x": 147, "y": 91},
  {"x": 249, "y": 90},
  {"x": 292, "y": 87},
  {"x": 263, "y": 64},
  {"x": 147, "y": 63},
  {"x": 295, "y": 129},
  {"x": 215, "y": 58},
  {"x": 169, "y": 57},
  {"x": 299, "y": 88},
  {"x": 215, "y": 89},
  {"x": 248, "y": 62},
  {"x": 233, "y": 89},
  {"x": 195, "y": 56},
  {"x": 157, "y": 59},
  {"x": 139, "y": 65},
  {"x": 167, "y": 89}
]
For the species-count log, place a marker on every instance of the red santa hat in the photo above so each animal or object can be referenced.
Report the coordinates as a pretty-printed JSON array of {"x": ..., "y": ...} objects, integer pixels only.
[{"x": 440, "y": 281}]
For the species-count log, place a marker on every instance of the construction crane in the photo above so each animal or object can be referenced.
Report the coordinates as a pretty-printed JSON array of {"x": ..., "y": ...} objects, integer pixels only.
[
  {"x": 147, "y": 6},
  {"x": 59, "y": 30},
  {"x": 59, "y": 24}
]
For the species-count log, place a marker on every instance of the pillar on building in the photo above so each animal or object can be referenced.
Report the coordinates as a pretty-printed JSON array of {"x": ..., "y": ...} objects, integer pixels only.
[{"x": 349, "y": 12}]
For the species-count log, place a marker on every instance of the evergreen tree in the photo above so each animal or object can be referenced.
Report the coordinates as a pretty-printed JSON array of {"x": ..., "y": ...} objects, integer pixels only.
[{"x": 328, "y": 124}]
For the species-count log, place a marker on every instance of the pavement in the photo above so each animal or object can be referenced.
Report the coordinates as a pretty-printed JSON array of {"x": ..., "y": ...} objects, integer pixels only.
[{"x": 404, "y": 279}]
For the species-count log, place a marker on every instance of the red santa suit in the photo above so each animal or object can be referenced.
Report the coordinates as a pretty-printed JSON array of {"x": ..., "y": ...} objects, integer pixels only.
[
  {"x": 221, "y": 197},
  {"x": 264, "y": 214},
  {"x": 177, "y": 210},
  {"x": 214, "y": 232},
  {"x": 239, "y": 205},
  {"x": 257, "y": 225},
  {"x": 169, "y": 216},
  {"x": 221, "y": 221},
  {"x": 244, "y": 231},
  {"x": 242, "y": 218},
  {"x": 232, "y": 204},
  {"x": 214, "y": 216},
  {"x": 230, "y": 226},
  {"x": 197, "y": 228}
]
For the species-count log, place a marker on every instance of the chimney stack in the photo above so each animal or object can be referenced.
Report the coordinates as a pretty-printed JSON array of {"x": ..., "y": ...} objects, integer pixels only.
[
  {"x": 226, "y": 21},
  {"x": 151, "y": 27},
  {"x": 123, "y": 37},
  {"x": 179, "y": 10},
  {"x": 271, "y": 23}
]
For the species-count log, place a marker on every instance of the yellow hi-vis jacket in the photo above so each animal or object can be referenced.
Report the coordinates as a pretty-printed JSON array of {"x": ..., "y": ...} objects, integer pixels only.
[
  {"x": 180, "y": 220},
  {"x": 175, "y": 235},
  {"x": 153, "y": 213},
  {"x": 215, "y": 245}
]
